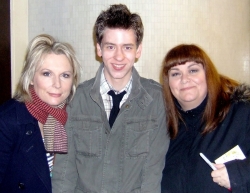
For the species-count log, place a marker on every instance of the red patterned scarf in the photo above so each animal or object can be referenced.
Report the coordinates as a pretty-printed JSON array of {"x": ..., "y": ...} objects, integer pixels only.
[{"x": 53, "y": 120}]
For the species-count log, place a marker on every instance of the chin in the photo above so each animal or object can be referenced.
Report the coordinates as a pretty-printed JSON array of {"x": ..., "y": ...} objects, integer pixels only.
[{"x": 55, "y": 104}]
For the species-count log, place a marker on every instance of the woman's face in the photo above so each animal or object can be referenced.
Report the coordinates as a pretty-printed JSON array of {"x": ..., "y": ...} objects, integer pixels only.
[
  {"x": 53, "y": 79},
  {"x": 188, "y": 84}
]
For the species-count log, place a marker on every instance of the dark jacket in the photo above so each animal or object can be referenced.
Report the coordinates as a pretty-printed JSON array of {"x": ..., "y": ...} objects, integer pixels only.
[
  {"x": 186, "y": 172},
  {"x": 23, "y": 162}
]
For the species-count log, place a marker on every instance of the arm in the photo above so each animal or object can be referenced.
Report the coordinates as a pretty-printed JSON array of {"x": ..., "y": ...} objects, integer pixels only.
[
  {"x": 64, "y": 174},
  {"x": 6, "y": 147},
  {"x": 152, "y": 170},
  {"x": 239, "y": 175}
]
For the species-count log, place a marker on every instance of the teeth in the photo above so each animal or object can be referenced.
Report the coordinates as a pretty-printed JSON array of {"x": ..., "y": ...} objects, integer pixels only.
[{"x": 118, "y": 65}]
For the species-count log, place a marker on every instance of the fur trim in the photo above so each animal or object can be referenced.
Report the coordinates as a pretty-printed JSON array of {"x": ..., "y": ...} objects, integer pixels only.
[{"x": 241, "y": 93}]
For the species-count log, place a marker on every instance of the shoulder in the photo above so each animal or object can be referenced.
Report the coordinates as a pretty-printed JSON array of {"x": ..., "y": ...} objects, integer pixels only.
[
  {"x": 10, "y": 106},
  {"x": 152, "y": 91},
  {"x": 150, "y": 84},
  {"x": 85, "y": 85},
  {"x": 241, "y": 93},
  {"x": 14, "y": 112}
]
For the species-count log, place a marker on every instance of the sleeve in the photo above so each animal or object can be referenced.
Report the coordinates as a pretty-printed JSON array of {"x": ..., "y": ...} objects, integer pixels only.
[
  {"x": 7, "y": 138},
  {"x": 64, "y": 174},
  {"x": 152, "y": 170},
  {"x": 239, "y": 175},
  {"x": 239, "y": 170}
]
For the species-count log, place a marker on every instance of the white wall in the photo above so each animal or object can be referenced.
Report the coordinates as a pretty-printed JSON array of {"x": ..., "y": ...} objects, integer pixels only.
[
  {"x": 19, "y": 38},
  {"x": 221, "y": 27}
]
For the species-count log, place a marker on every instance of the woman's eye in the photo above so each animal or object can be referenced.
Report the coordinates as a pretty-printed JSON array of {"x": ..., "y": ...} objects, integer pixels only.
[
  {"x": 46, "y": 73},
  {"x": 194, "y": 71},
  {"x": 66, "y": 75},
  {"x": 175, "y": 74}
]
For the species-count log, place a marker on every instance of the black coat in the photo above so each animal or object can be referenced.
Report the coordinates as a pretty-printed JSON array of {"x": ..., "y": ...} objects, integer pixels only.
[
  {"x": 23, "y": 163},
  {"x": 186, "y": 172}
]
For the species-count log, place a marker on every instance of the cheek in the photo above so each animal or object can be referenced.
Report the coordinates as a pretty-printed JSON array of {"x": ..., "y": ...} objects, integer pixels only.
[
  {"x": 201, "y": 81},
  {"x": 173, "y": 88},
  {"x": 204, "y": 88},
  {"x": 68, "y": 86},
  {"x": 172, "y": 85},
  {"x": 38, "y": 84},
  {"x": 203, "y": 85}
]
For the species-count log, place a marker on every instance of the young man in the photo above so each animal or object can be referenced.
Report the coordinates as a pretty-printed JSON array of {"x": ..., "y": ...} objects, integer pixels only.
[{"x": 109, "y": 154}]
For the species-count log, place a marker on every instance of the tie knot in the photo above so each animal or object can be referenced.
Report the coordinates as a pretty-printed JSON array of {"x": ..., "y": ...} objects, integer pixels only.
[{"x": 116, "y": 97}]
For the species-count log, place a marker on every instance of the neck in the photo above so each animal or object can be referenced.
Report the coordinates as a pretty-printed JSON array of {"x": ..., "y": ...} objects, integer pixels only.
[{"x": 118, "y": 84}]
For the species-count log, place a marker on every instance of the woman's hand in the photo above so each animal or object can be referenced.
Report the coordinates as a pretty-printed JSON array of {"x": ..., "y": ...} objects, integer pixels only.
[{"x": 220, "y": 176}]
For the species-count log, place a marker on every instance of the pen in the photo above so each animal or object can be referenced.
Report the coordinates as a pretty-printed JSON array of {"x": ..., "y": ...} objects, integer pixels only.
[
  {"x": 210, "y": 164},
  {"x": 207, "y": 161}
]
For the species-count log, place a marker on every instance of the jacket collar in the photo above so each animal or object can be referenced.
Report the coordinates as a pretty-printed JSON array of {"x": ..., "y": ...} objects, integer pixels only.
[
  {"x": 241, "y": 93},
  {"x": 144, "y": 99}
]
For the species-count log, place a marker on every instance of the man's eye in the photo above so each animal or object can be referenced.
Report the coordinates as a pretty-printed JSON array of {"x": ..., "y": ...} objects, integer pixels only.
[
  {"x": 110, "y": 47},
  {"x": 128, "y": 48}
]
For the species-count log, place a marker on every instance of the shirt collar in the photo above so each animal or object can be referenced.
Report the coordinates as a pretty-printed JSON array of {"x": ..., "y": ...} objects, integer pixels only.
[{"x": 105, "y": 86}]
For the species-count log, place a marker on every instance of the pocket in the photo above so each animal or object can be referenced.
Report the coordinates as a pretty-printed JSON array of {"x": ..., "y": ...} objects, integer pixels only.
[
  {"x": 88, "y": 136},
  {"x": 137, "y": 140}
]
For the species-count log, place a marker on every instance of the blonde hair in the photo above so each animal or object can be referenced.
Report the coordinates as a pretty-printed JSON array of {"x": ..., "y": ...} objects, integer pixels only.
[{"x": 38, "y": 48}]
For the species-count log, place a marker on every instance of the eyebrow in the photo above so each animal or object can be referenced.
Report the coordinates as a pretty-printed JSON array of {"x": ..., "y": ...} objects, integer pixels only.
[{"x": 109, "y": 43}]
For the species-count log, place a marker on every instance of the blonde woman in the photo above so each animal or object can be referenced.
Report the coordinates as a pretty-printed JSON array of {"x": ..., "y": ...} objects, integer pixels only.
[{"x": 32, "y": 123}]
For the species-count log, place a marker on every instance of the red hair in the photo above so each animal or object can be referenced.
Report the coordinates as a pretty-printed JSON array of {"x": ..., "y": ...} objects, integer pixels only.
[{"x": 219, "y": 88}]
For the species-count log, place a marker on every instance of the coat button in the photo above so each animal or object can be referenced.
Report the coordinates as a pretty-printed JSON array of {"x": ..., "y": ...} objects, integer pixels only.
[
  {"x": 28, "y": 132},
  {"x": 21, "y": 186}
]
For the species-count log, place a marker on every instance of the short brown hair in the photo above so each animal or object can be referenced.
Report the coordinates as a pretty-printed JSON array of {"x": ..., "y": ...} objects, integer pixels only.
[{"x": 118, "y": 16}]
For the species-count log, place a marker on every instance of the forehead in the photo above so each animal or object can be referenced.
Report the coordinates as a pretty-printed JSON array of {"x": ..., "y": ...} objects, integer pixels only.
[
  {"x": 119, "y": 36},
  {"x": 54, "y": 62}
]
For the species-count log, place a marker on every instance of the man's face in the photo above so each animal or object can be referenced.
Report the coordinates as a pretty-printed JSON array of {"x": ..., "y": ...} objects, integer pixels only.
[{"x": 118, "y": 51}]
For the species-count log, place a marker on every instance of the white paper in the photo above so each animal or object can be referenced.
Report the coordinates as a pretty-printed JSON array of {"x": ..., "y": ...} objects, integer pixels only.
[{"x": 232, "y": 154}]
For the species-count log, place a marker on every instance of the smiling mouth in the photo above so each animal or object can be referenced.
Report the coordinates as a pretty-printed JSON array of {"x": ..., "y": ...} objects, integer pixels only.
[
  {"x": 118, "y": 66},
  {"x": 55, "y": 95},
  {"x": 187, "y": 88}
]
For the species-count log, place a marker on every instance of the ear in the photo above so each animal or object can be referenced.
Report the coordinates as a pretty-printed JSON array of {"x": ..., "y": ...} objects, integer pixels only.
[
  {"x": 98, "y": 50},
  {"x": 31, "y": 82},
  {"x": 138, "y": 51}
]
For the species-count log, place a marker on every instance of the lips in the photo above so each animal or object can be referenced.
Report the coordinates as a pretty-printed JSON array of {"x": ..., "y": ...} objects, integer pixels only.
[
  {"x": 55, "y": 95},
  {"x": 187, "y": 88},
  {"x": 118, "y": 66}
]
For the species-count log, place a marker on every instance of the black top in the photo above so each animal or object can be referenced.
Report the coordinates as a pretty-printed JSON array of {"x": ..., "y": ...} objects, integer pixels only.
[
  {"x": 23, "y": 163},
  {"x": 186, "y": 172}
]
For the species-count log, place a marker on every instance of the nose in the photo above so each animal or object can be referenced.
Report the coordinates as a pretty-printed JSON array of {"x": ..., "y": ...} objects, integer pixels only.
[
  {"x": 119, "y": 54},
  {"x": 57, "y": 82},
  {"x": 184, "y": 78}
]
